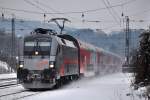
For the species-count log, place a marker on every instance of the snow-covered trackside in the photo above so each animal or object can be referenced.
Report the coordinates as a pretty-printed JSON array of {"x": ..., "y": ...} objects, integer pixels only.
[
  {"x": 5, "y": 76},
  {"x": 110, "y": 87}
]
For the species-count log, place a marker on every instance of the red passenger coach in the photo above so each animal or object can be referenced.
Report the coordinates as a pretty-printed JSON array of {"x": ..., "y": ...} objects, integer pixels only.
[{"x": 94, "y": 60}]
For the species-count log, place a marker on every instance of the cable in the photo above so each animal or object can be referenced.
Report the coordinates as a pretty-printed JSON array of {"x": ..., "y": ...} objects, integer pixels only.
[
  {"x": 85, "y": 11},
  {"x": 44, "y": 5},
  {"x": 52, "y": 9},
  {"x": 21, "y": 10},
  {"x": 110, "y": 11},
  {"x": 113, "y": 9},
  {"x": 29, "y": 2},
  {"x": 47, "y": 6}
]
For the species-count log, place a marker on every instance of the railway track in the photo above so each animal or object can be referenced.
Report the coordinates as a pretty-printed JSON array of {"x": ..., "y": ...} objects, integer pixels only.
[
  {"x": 4, "y": 95},
  {"x": 11, "y": 90},
  {"x": 9, "y": 85},
  {"x": 18, "y": 95},
  {"x": 7, "y": 79},
  {"x": 22, "y": 97},
  {"x": 6, "y": 83},
  {"x": 14, "y": 91}
]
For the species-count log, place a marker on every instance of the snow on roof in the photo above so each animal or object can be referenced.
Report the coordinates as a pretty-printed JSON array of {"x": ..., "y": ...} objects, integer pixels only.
[{"x": 65, "y": 42}]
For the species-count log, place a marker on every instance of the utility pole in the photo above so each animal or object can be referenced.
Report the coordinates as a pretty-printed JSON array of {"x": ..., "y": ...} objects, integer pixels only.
[
  {"x": 127, "y": 48},
  {"x": 13, "y": 43}
]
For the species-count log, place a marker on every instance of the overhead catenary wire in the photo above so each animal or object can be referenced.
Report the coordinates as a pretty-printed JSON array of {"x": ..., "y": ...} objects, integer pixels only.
[
  {"x": 44, "y": 5},
  {"x": 90, "y": 11},
  {"x": 87, "y": 21},
  {"x": 80, "y": 21},
  {"x": 108, "y": 8},
  {"x": 57, "y": 12},
  {"x": 113, "y": 11},
  {"x": 53, "y": 10},
  {"x": 29, "y": 2},
  {"x": 72, "y": 12}
]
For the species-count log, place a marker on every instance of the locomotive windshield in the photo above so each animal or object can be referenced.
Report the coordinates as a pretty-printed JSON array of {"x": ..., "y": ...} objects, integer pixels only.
[{"x": 37, "y": 47}]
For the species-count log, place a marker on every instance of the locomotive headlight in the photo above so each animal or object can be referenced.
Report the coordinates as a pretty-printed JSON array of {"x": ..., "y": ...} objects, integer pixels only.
[
  {"x": 21, "y": 65},
  {"x": 36, "y": 52},
  {"x": 51, "y": 64}
]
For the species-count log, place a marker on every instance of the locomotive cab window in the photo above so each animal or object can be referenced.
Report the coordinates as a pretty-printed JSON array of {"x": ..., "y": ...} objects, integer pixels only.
[
  {"x": 30, "y": 44},
  {"x": 37, "y": 47}
]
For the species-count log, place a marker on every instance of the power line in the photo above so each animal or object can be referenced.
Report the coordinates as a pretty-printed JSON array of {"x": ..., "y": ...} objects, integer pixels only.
[
  {"x": 113, "y": 9},
  {"x": 85, "y": 11},
  {"x": 29, "y": 2},
  {"x": 47, "y": 6},
  {"x": 21, "y": 10},
  {"x": 108, "y": 7},
  {"x": 52, "y": 9},
  {"x": 44, "y": 5},
  {"x": 102, "y": 8}
]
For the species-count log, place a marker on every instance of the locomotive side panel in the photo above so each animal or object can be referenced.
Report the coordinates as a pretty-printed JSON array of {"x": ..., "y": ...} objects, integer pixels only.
[
  {"x": 70, "y": 60},
  {"x": 67, "y": 59}
]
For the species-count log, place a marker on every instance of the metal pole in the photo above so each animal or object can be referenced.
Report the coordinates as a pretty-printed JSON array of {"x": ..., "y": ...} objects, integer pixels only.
[
  {"x": 13, "y": 43},
  {"x": 127, "y": 51}
]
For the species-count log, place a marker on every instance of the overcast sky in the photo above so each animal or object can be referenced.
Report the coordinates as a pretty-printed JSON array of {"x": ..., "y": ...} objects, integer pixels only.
[{"x": 109, "y": 18}]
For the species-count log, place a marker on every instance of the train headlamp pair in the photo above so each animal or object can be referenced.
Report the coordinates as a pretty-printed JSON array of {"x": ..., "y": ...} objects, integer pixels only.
[
  {"x": 21, "y": 64},
  {"x": 51, "y": 64}
]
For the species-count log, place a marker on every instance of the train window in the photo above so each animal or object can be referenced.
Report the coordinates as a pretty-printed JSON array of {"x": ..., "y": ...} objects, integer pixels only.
[
  {"x": 43, "y": 47},
  {"x": 30, "y": 43},
  {"x": 44, "y": 43}
]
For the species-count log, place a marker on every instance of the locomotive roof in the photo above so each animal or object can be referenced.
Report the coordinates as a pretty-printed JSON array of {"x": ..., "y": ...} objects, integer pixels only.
[{"x": 34, "y": 36}]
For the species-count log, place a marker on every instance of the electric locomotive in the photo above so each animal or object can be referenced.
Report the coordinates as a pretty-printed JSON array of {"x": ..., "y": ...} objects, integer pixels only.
[{"x": 49, "y": 60}]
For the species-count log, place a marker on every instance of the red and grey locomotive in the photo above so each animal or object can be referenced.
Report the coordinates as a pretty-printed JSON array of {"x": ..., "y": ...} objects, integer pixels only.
[{"x": 50, "y": 59}]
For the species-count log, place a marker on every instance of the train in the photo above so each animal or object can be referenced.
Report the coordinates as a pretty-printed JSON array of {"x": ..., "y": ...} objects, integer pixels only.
[{"x": 51, "y": 59}]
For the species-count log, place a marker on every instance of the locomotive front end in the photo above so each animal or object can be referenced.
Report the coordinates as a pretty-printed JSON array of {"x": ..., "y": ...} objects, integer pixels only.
[{"x": 37, "y": 68}]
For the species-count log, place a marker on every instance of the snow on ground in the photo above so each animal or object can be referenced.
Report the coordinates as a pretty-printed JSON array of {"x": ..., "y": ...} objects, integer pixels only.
[
  {"x": 10, "y": 75},
  {"x": 110, "y": 87}
]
